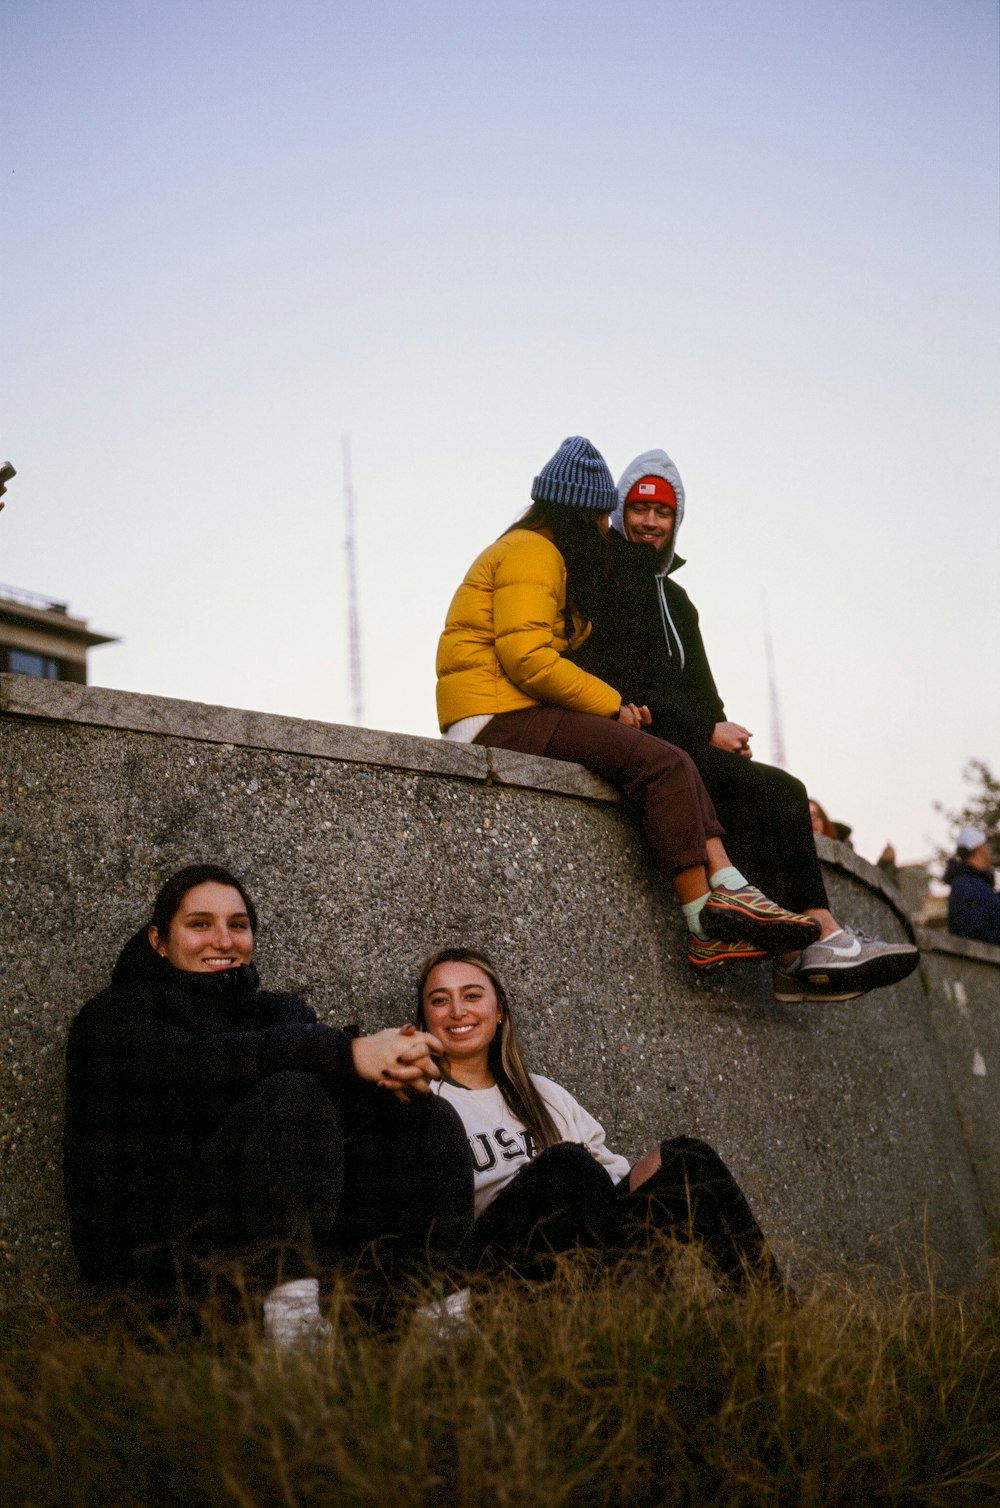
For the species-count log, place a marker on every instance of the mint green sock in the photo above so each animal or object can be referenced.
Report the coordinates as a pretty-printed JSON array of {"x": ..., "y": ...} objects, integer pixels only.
[
  {"x": 727, "y": 879},
  {"x": 692, "y": 915}
]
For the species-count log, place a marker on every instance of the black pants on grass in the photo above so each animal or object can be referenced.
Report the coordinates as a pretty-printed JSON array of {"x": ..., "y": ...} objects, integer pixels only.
[
  {"x": 561, "y": 1201},
  {"x": 564, "y": 1200},
  {"x": 693, "y": 1197},
  {"x": 294, "y": 1180}
]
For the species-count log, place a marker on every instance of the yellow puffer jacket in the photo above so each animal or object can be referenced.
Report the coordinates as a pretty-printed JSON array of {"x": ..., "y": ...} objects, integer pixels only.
[{"x": 505, "y": 635}]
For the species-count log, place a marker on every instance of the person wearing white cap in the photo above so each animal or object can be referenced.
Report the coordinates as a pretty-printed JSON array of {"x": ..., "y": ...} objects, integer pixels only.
[{"x": 973, "y": 905}]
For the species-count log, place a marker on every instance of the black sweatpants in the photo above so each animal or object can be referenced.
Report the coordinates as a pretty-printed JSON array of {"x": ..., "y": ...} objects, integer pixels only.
[
  {"x": 564, "y": 1200},
  {"x": 693, "y": 1196},
  {"x": 560, "y": 1201},
  {"x": 294, "y": 1180},
  {"x": 769, "y": 836}
]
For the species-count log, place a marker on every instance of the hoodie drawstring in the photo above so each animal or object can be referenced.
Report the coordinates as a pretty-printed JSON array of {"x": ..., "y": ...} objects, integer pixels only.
[{"x": 669, "y": 630}]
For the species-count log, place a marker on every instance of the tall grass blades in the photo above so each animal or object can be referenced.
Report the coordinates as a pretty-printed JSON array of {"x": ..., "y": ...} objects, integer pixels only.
[{"x": 583, "y": 1391}]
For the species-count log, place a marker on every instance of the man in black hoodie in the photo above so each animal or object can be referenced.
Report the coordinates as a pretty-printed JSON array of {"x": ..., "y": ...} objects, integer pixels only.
[{"x": 646, "y": 642}]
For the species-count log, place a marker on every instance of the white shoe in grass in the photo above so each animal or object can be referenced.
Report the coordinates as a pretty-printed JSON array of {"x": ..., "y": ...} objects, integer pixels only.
[
  {"x": 292, "y": 1318},
  {"x": 446, "y": 1317}
]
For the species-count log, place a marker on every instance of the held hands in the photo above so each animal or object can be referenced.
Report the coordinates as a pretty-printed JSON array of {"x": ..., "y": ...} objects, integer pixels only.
[
  {"x": 732, "y": 738},
  {"x": 398, "y": 1059},
  {"x": 631, "y": 716}
]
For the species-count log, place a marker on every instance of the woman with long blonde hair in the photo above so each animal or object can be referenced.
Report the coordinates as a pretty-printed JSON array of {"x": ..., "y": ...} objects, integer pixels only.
[{"x": 545, "y": 1179}]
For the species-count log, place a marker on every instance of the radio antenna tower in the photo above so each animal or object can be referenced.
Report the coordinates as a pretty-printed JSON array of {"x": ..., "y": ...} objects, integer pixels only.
[
  {"x": 777, "y": 738},
  {"x": 353, "y": 619}
]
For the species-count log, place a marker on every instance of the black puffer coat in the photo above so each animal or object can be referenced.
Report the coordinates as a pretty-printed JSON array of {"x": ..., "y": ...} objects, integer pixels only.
[{"x": 153, "y": 1065}]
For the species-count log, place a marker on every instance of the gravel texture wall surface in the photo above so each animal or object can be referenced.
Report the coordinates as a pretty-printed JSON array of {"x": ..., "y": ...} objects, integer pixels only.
[{"x": 367, "y": 850}]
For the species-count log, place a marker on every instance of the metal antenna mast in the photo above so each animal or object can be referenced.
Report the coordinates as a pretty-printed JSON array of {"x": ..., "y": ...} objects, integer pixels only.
[
  {"x": 353, "y": 618},
  {"x": 777, "y": 738}
]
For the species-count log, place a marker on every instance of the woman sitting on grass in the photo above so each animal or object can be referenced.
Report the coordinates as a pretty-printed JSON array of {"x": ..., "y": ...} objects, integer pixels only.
[
  {"x": 209, "y": 1120},
  {"x": 545, "y": 1179}
]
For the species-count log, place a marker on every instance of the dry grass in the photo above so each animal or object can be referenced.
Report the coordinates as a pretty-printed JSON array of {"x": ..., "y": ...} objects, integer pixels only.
[{"x": 581, "y": 1393}]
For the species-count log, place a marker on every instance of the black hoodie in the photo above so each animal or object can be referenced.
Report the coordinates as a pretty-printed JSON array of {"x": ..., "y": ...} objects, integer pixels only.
[
  {"x": 645, "y": 642},
  {"x": 153, "y": 1065}
]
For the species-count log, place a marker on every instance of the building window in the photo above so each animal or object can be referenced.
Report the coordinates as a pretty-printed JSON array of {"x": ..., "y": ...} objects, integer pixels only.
[{"x": 21, "y": 662}]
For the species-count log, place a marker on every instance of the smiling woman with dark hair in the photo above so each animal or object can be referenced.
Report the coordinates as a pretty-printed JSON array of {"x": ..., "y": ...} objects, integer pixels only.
[{"x": 208, "y": 1119}]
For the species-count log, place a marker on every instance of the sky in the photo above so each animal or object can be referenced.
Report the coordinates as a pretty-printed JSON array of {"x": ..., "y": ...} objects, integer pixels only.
[{"x": 763, "y": 235}]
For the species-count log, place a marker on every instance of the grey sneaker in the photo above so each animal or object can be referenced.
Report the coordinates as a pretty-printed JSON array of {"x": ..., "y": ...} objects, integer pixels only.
[{"x": 851, "y": 963}]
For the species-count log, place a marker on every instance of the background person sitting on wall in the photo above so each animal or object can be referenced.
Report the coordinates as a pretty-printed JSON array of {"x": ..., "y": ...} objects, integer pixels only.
[{"x": 973, "y": 905}]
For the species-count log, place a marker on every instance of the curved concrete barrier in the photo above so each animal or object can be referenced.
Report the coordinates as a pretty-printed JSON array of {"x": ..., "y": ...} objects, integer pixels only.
[{"x": 366, "y": 850}]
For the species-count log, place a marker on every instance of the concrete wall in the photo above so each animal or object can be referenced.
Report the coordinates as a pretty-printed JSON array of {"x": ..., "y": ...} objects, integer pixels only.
[
  {"x": 963, "y": 989},
  {"x": 365, "y": 851}
]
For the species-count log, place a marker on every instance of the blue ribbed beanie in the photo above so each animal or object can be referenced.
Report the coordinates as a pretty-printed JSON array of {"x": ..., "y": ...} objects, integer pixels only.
[{"x": 578, "y": 477}]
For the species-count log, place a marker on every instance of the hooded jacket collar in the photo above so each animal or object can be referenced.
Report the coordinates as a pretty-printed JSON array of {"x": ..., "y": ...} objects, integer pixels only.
[
  {"x": 139, "y": 963},
  {"x": 652, "y": 463}
]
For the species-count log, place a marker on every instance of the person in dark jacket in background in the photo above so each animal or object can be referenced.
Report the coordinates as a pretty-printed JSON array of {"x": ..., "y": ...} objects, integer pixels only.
[
  {"x": 646, "y": 641},
  {"x": 208, "y": 1119},
  {"x": 973, "y": 905}
]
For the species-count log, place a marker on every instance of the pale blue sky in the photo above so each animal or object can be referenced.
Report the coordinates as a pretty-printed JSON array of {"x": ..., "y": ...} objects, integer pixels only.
[{"x": 762, "y": 235}]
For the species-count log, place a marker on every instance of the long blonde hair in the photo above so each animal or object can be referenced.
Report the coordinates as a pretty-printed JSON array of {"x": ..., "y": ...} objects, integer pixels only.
[{"x": 504, "y": 1056}]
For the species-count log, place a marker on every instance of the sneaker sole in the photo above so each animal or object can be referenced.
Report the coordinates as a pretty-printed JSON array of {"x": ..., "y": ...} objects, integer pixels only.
[
  {"x": 733, "y": 924},
  {"x": 868, "y": 974},
  {"x": 701, "y": 964},
  {"x": 788, "y": 996}
]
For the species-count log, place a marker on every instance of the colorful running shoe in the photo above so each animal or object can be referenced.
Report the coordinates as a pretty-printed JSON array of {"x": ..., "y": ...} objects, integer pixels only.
[
  {"x": 708, "y": 953},
  {"x": 851, "y": 961},
  {"x": 746, "y": 915}
]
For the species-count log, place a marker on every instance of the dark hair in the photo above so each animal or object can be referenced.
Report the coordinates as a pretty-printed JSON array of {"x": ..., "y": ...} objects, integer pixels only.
[
  {"x": 582, "y": 546},
  {"x": 504, "y": 1056},
  {"x": 172, "y": 893}
]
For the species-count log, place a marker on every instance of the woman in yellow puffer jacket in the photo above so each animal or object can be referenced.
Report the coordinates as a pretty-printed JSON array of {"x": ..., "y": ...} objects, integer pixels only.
[{"x": 504, "y": 682}]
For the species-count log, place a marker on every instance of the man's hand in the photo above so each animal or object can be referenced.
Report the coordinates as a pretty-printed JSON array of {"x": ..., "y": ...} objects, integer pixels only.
[
  {"x": 631, "y": 716},
  {"x": 398, "y": 1058},
  {"x": 732, "y": 738}
]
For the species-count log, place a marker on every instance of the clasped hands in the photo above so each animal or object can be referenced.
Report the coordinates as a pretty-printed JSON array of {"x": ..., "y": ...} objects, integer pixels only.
[{"x": 400, "y": 1058}]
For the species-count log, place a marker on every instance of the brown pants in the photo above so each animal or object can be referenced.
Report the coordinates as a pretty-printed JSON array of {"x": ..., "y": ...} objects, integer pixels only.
[{"x": 661, "y": 780}]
